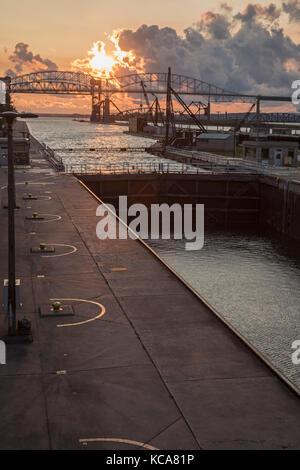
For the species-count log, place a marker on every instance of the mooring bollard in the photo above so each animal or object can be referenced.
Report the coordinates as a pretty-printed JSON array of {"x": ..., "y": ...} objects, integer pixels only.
[
  {"x": 56, "y": 306},
  {"x": 24, "y": 327}
]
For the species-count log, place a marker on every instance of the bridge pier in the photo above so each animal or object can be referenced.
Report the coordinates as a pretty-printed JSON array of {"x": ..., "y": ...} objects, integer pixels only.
[
  {"x": 95, "y": 115},
  {"x": 106, "y": 110},
  {"x": 96, "y": 92},
  {"x": 101, "y": 110}
]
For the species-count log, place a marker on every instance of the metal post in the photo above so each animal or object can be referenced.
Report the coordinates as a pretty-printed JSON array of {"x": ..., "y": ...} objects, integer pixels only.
[
  {"x": 12, "y": 322},
  {"x": 234, "y": 143},
  {"x": 168, "y": 106},
  {"x": 257, "y": 109},
  {"x": 10, "y": 117}
]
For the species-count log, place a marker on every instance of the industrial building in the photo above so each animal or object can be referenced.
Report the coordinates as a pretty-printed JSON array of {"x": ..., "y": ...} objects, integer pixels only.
[
  {"x": 215, "y": 142},
  {"x": 279, "y": 148},
  {"x": 272, "y": 152},
  {"x": 21, "y": 151},
  {"x": 137, "y": 124}
]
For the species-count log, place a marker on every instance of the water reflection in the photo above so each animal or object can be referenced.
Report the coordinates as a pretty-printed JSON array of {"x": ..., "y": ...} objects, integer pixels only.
[
  {"x": 253, "y": 281},
  {"x": 66, "y": 133}
]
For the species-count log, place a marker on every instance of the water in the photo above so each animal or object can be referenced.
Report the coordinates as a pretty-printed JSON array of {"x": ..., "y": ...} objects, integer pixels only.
[
  {"x": 253, "y": 281},
  {"x": 65, "y": 133}
]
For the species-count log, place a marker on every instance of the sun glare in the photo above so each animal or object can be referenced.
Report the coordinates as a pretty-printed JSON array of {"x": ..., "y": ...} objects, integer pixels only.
[{"x": 101, "y": 64}]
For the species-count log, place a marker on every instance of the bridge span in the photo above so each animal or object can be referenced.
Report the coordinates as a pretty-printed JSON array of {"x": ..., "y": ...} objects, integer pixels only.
[{"x": 102, "y": 89}]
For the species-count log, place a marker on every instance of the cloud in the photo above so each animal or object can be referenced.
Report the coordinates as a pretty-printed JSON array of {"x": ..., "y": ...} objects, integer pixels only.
[
  {"x": 254, "y": 12},
  {"x": 214, "y": 25},
  {"x": 24, "y": 61},
  {"x": 244, "y": 52},
  {"x": 292, "y": 8},
  {"x": 227, "y": 8},
  {"x": 10, "y": 73}
]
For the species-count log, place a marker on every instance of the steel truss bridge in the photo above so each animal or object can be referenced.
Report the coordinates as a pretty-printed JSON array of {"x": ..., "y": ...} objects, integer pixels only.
[
  {"x": 224, "y": 119},
  {"x": 101, "y": 90}
]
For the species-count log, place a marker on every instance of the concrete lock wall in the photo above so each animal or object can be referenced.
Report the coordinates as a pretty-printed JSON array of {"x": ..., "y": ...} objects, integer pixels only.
[
  {"x": 231, "y": 202},
  {"x": 280, "y": 206}
]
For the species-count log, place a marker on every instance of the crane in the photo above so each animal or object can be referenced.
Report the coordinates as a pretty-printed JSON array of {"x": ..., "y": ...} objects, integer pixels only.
[
  {"x": 187, "y": 109},
  {"x": 238, "y": 126},
  {"x": 244, "y": 118}
]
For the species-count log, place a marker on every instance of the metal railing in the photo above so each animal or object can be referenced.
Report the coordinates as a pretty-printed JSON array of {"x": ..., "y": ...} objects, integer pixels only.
[
  {"x": 101, "y": 149},
  {"x": 150, "y": 168},
  {"x": 196, "y": 163},
  {"x": 129, "y": 168},
  {"x": 55, "y": 161},
  {"x": 230, "y": 164}
]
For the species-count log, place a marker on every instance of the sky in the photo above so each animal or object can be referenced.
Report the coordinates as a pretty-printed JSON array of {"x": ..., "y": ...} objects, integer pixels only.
[{"x": 237, "y": 45}]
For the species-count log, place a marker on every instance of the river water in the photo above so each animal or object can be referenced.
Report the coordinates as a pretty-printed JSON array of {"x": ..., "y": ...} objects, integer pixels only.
[
  {"x": 252, "y": 280},
  {"x": 62, "y": 134}
]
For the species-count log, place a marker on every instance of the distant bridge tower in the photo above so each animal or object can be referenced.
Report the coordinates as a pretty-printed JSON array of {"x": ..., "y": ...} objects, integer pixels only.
[
  {"x": 100, "y": 102},
  {"x": 8, "y": 91},
  {"x": 96, "y": 90}
]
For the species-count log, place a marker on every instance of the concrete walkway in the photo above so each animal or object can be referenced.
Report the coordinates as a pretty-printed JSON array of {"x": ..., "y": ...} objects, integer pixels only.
[{"x": 141, "y": 362}]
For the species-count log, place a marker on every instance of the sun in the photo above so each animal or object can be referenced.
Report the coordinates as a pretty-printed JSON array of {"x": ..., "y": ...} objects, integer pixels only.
[{"x": 100, "y": 64}]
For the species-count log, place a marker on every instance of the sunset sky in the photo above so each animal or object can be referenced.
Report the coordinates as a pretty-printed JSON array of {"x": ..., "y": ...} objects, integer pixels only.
[{"x": 236, "y": 45}]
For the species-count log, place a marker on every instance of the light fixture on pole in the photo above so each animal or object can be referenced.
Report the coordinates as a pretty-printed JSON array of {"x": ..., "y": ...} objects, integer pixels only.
[{"x": 10, "y": 117}]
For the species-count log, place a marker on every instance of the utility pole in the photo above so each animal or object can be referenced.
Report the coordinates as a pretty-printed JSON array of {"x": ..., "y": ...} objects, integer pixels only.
[
  {"x": 12, "y": 326},
  {"x": 11, "y": 304},
  {"x": 234, "y": 143},
  {"x": 258, "y": 109},
  {"x": 168, "y": 106}
]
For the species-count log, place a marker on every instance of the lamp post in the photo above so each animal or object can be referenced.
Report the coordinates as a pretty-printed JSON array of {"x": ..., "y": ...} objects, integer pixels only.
[{"x": 10, "y": 117}]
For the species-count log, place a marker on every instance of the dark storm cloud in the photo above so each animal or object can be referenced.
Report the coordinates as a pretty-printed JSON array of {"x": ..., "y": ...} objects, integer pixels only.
[
  {"x": 256, "y": 11},
  {"x": 24, "y": 60},
  {"x": 246, "y": 52},
  {"x": 215, "y": 25},
  {"x": 292, "y": 8}
]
